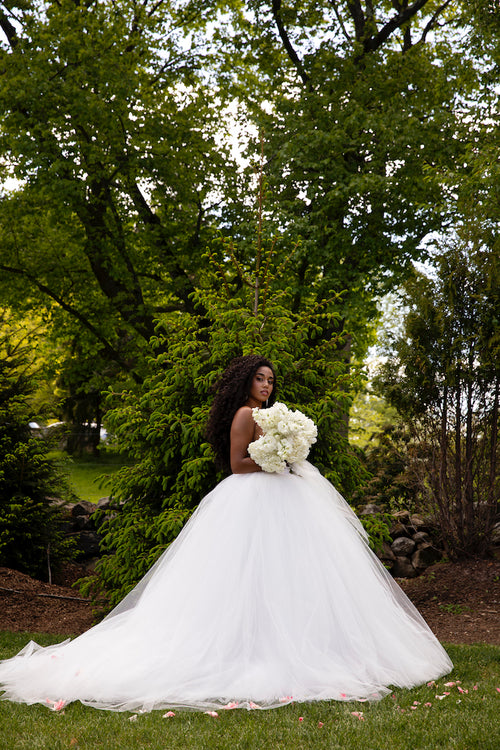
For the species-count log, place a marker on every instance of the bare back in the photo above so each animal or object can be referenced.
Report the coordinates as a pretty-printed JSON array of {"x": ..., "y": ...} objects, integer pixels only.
[{"x": 244, "y": 430}]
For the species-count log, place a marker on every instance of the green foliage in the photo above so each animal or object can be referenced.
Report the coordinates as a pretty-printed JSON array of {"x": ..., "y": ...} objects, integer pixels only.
[
  {"x": 109, "y": 127},
  {"x": 359, "y": 129},
  {"x": 31, "y": 534},
  {"x": 389, "y": 459},
  {"x": 377, "y": 526},
  {"x": 443, "y": 377},
  {"x": 116, "y": 122},
  {"x": 369, "y": 415},
  {"x": 161, "y": 424}
]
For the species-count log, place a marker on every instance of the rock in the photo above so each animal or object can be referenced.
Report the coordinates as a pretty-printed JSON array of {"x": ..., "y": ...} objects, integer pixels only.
[
  {"x": 495, "y": 534},
  {"x": 424, "y": 556},
  {"x": 83, "y": 508},
  {"x": 422, "y": 537},
  {"x": 418, "y": 523},
  {"x": 371, "y": 509},
  {"x": 104, "y": 503},
  {"x": 398, "y": 529},
  {"x": 84, "y": 522},
  {"x": 88, "y": 543},
  {"x": 385, "y": 553},
  {"x": 403, "y": 546},
  {"x": 403, "y": 516},
  {"x": 402, "y": 568}
]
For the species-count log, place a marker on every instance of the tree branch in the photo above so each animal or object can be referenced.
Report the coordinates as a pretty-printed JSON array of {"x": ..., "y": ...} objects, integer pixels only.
[
  {"x": 373, "y": 43},
  {"x": 9, "y": 30},
  {"x": 357, "y": 15},
  {"x": 276, "y": 8},
  {"x": 433, "y": 20},
  {"x": 334, "y": 5},
  {"x": 183, "y": 285},
  {"x": 108, "y": 347}
]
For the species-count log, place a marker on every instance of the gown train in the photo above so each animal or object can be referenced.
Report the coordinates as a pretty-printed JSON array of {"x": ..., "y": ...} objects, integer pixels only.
[{"x": 270, "y": 594}]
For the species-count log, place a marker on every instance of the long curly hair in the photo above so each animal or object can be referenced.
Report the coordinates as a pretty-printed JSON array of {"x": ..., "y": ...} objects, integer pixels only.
[{"x": 231, "y": 392}]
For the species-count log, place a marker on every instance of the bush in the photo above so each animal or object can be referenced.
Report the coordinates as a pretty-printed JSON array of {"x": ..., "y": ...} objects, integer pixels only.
[
  {"x": 31, "y": 534},
  {"x": 161, "y": 424}
]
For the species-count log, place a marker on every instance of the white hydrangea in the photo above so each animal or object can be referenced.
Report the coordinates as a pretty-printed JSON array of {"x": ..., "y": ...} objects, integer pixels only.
[{"x": 288, "y": 436}]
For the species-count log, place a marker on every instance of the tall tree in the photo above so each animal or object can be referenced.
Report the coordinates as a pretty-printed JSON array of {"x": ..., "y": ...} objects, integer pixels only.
[
  {"x": 359, "y": 105},
  {"x": 443, "y": 377},
  {"x": 109, "y": 126},
  {"x": 113, "y": 117}
]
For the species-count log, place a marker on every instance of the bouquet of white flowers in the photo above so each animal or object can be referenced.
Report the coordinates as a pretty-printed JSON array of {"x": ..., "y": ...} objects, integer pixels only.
[{"x": 288, "y": 436}]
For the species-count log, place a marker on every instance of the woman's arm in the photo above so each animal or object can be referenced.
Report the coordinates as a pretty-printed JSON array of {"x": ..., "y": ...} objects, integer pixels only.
[{"x": 242, "y": 433}]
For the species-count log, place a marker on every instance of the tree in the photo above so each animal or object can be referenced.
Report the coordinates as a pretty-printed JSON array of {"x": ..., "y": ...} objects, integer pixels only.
[
  {"x": 361, "y": 117},
  {"x": 161, "y": 423},
  {"x": 114, "y": 121},
  {"x": 443, "y": 377},
  {"x": 31, "y": 533},
  {"x": 110, "y": 127},
  {"x": 114, "y": 114}
]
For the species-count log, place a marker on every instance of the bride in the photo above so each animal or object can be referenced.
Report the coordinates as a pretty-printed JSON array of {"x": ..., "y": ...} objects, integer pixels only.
[{"x": 270, "y": 594}]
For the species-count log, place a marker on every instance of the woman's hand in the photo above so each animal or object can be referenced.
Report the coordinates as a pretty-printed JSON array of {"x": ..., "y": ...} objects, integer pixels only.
[{"x": 242, "y": 434}]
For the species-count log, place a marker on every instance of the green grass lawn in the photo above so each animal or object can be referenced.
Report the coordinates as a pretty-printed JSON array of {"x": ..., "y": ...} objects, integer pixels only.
[
  {"x": 88, "y": 475},
  {"x": 467, "y": 720}
]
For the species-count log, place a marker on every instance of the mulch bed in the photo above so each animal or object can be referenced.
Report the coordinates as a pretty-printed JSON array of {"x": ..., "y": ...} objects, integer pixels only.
[{"x": 460, "y": 601}]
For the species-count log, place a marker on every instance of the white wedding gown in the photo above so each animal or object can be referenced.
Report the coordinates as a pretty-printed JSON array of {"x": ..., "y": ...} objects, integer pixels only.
[{"x": 270, "y": 594}]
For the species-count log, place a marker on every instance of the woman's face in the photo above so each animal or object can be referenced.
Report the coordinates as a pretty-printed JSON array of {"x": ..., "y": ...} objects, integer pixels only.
[{"x": 262, "y": 386}]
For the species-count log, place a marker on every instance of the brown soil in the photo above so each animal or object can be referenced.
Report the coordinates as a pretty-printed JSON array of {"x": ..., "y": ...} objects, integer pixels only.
[{"x": 460, "y": 602}]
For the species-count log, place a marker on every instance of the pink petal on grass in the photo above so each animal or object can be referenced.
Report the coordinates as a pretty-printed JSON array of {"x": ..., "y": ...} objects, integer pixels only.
[
  {"x": 133, "y": 718},
  {"x": 168, "y": 715},
  {"x": 232, "y": 704},
  {"x": 450, "y": 684},
  {"x": 431, "y": 684},
  {"x": 476, "y": 687},
  {"x": 498, "y": 690},
  {"x": 214, "y": 714},
  {"x": 358, "y": 715},
  {"x": 301, "y": 718},
  {"x": 428, "y": 705},
  {"x": 320, "y": 724},
  {"x": 58, "y": 705},
  {"x": 440, "y": 697}
]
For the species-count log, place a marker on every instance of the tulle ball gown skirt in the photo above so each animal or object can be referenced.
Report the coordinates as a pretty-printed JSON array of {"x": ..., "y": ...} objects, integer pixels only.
[{"x": 269, "y": 595}]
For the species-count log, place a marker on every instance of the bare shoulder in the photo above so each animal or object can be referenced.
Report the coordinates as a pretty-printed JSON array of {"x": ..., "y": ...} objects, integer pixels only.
[{"x": 243, "y": 418}]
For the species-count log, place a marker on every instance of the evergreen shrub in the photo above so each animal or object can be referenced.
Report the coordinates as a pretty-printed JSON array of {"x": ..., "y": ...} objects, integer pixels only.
[
  {"x": 31, "y": 533},
  {"x": 161, "y": 424}
]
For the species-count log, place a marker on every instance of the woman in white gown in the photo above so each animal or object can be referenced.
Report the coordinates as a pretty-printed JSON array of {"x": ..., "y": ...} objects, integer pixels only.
[{"x": 270, "y": 594}]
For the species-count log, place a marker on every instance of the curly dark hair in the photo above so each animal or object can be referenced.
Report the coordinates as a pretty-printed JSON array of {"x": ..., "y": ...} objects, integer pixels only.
[{"x": 231, "y": 392}]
